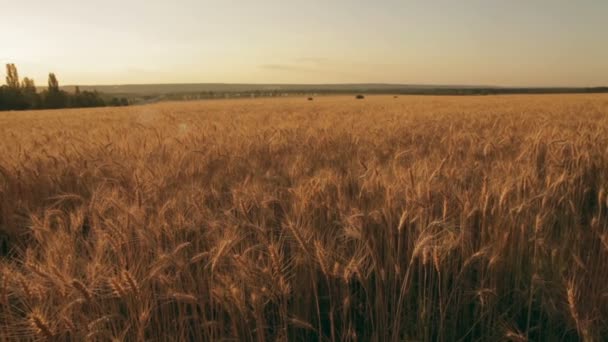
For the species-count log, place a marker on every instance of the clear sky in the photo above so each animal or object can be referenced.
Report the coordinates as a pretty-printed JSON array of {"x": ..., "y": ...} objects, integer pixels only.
[{"x": 516, "y": 42}]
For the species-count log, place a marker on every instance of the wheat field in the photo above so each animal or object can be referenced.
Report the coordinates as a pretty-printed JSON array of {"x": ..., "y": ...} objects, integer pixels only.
[{"x": 386, "y": 219}]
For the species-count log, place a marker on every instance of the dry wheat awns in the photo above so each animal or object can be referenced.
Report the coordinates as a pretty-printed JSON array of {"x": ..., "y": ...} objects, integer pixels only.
[{"x": 427, "y": 219}]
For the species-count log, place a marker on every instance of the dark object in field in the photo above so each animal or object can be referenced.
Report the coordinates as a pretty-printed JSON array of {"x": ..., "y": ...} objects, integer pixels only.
[
  {"x": 395, "y": 96},
  {"x": 4, "y": 246},
  {"x": 86, "y": 227},
  {"x": 310, "y": 99},
  {"x": 359, "y": 97}
]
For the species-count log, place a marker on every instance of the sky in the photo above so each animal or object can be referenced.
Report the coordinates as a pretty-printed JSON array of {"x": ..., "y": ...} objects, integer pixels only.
[{"x": 474, "y": 42}]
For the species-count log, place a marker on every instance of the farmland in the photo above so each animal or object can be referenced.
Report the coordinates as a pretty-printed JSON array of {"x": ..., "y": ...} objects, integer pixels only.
[{"x": 408, "y": 218}]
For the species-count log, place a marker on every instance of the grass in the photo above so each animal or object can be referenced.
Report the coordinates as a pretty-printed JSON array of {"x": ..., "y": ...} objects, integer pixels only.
[{"x": 416, "y": 218}]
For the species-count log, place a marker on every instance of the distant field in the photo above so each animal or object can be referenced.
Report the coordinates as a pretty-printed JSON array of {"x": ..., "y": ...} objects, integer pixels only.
[
  {"x": 148, "y": 93},
  {"x": 252, "y": 87},
  {"x": 385, "y": 219}
]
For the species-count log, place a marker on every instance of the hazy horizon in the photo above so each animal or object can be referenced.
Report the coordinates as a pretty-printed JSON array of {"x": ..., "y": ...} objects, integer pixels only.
[{"x": 514, "y": 44}]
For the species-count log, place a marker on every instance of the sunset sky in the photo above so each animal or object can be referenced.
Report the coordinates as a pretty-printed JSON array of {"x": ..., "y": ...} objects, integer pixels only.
[{"x": 507, "y": 43}]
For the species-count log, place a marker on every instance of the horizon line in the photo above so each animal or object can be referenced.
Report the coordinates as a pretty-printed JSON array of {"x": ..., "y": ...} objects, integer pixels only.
[{"x": 428, "y": 85}]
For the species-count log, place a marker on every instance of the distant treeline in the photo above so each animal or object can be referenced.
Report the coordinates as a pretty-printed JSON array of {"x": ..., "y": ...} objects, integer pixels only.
[
  {"x": 439, "y": 91},
  {"x": 145, "y": 93},
  {"x": 19, "y": 94},
  {"x": 498, "y": 91}
]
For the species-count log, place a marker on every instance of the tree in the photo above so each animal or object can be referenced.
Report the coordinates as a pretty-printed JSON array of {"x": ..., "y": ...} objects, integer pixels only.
[
  {"x": 12, "y": 95},
  {"x": 12, "y": 76},
  {"x": 28, "y": 85},
  {"x": 85, "y": 98},
  {"x": 53, "y": 83},
  {"x": 19, "y": 95},
  {"x": 55, "y": 97},
  {"x": 28, "y": 89},
  {"x": 3, "y": 104}
]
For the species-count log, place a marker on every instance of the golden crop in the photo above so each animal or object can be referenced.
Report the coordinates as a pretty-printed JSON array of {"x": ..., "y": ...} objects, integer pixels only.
[{"x": 384, "y": 219}]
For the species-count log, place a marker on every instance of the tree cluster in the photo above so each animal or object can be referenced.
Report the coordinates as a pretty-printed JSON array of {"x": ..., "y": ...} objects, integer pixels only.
[{"x": 19, "y": 94}]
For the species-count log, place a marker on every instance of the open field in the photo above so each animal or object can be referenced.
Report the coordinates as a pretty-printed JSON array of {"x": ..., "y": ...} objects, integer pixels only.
[{"x": 410, "y": 218}]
